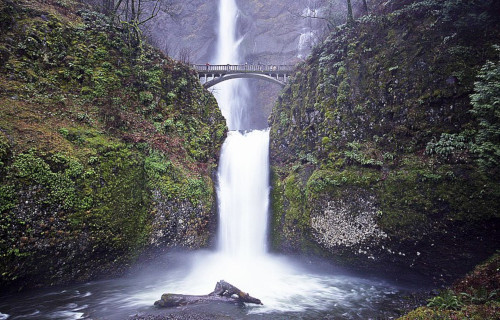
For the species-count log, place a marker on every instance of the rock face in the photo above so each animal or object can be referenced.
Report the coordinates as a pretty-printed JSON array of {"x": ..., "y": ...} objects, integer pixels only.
[
  {"x": 180, "y": 223},
  {"x": 189, "y": 33},
  {"x": 346, "y": 221},
  {"x": 271, "y": 33},
  {"x": 372, "y": 142},
  {"x": 270, "y": 30},
  {"x": 105, "y": 151}
]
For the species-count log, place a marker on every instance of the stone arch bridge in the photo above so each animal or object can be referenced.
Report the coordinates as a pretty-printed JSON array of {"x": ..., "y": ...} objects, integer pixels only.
[{"x": 214, "y": 74}]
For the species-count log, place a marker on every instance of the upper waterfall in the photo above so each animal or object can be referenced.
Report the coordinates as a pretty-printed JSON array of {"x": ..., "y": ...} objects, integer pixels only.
[{"x": 232, "y": 96}]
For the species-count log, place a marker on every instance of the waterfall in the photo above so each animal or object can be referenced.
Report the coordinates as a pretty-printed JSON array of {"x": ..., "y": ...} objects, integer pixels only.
[
  {"x": 289, "y": 288},
  {"x": 243, "y": 194},
  {"x": 307, "y": 34},
  {"x": 243, "y": 179},
  {"x": 283, "y": 284},
  {"x": 231, "y": 95}
]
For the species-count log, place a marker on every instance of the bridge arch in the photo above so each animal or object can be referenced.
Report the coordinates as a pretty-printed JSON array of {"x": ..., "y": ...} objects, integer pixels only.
[
  {"x": 265, "y": 77},
  {"x": 214, "y": 74}
]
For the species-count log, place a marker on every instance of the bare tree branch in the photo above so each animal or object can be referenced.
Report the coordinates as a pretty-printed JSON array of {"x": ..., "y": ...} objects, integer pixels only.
[{"x": 365, "y": 7}]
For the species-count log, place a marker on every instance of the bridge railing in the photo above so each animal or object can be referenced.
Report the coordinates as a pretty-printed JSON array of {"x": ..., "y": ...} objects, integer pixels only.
[{"x": 230, "y": 68}]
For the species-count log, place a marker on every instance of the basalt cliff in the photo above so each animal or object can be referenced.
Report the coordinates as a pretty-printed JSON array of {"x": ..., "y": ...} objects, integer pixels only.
[{"x": 384, "y": 146}]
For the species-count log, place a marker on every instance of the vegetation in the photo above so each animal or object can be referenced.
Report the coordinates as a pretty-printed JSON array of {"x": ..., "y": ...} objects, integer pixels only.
[
  {"x": 486, "y": 107},
  {"x": 399, "y": 108},
  {"x": 133, "y": 14},
  {"x": 99, "y": 146},
  {"x": 482, "y": 142},
  {"x": 474, "y": 297}
]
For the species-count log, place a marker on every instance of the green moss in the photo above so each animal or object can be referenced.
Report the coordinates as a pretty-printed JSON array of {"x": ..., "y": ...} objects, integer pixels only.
[
  {"x": 296, "y": 213},
  {"x": 383, "y": 106},
  {"x": 413, "y": 197},
  {"x": 365, "y": 155},
  {"x": 405, "y": 202},
  {"x": 4, "y": 150},
  {"x": 173, "y": 181},
  {"x": 277, "y": 209},
  {"x": 290, "y": 216},
  {"x": 120, "y": 199},
  {"x": 56, "y": 179},
  {"x": 7, "y": 199},
  {"x": 88, "y": 131},
  {"x": 476, "y": 202}
]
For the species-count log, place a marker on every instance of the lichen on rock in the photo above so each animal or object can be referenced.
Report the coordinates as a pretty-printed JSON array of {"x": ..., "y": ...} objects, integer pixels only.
[
  {"x": 376, "y": 130},
  {"x": 346, "y": 221}
]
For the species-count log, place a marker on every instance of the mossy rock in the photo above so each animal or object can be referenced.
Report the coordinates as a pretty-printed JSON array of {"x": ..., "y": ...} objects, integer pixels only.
[
  {"x": 367, "y": 111},
  {"x": 94, "y": 134}
]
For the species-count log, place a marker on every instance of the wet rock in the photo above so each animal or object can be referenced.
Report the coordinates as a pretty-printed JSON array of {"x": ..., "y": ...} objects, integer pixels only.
[
  {"x": 180, "y": 223},
  {"x": 366, "y": 113},
  {"x": 346, "y": 222}
]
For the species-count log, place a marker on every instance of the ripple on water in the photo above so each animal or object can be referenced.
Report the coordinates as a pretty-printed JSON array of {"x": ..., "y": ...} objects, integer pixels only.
[{"x": 288, "y": 288}]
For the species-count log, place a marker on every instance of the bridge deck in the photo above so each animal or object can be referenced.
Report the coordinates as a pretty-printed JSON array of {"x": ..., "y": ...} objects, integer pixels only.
[{"x": 204, "y": 69}]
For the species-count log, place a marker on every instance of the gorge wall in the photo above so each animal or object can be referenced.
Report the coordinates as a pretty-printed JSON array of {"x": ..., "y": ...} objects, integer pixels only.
[
  {"x": 374, "y": 142},
  {"x": 106, "y": 150}
]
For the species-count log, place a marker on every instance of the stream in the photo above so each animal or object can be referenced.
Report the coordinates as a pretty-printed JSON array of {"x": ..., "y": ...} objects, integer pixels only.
[{"x": 289, "y": 289}]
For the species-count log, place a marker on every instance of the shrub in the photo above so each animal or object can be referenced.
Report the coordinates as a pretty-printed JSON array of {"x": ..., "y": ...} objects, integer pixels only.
[
  {"x": 486, "y": 107},
  {"x": 447, "y": 300}
]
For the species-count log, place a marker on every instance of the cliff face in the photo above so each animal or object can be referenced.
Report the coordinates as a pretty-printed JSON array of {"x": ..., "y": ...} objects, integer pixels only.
[
  {"x": 271, "y": 32},
  {"x": 372, "y": 142},
  {"x": 105, "y": 149},
  {"x": 188, "y": 31}
]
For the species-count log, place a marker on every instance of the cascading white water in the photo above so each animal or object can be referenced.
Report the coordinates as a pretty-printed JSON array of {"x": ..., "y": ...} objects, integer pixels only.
[
  {"x": 243, "y": 194},
  {"x": 289, "y": 289},
  {"x": 307, "y": 34},
  {"x": 230, "y": 95},
  {"x": 243, "y": 186},
  {"x": 242, "y": 258}
]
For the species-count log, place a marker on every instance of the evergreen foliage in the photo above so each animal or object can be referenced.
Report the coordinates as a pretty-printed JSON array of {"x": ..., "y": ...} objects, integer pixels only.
[{"x": 486, "y": 108}]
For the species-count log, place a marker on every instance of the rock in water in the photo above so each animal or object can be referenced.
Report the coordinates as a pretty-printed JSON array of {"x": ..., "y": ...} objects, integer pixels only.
[{"x": 223, "y": 292}]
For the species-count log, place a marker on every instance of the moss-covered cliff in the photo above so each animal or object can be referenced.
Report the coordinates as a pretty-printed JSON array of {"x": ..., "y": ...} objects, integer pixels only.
[
  {"x": 105, "y": 149},
  {"x": 376, "y": 145}
]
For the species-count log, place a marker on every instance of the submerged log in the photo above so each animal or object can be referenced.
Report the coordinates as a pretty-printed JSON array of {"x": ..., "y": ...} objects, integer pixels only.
[{"x": 223, "y": 292}]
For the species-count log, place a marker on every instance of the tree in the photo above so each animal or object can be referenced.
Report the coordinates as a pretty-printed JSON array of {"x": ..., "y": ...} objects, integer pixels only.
[
  {"x": 141, "y": 11},
  {"x": 350, "y": 18},
  {"x": 134, "y": 14},
  {"x": 185, "y": 55},
  {"x": 223, "y": 292},
  {"x": 331, "y": 12},
  {"x": 365, "y": 7}
]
